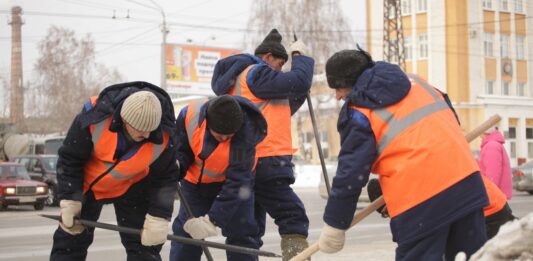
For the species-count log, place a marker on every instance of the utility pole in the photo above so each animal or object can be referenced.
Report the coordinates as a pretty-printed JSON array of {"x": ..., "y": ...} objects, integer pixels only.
[
  {"x": 16, "y": 105},
  {"x": 165, "y": 31},
  {"x": 393, "y": 50}
]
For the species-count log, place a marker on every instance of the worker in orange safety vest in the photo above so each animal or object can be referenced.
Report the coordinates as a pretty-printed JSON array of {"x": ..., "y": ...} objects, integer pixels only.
[
  {"x": 216, "y": 152},
  {"x": 406, "y": 131},
  {"x": 118, "y": 150},
  {"x": 278, "y": 95}
]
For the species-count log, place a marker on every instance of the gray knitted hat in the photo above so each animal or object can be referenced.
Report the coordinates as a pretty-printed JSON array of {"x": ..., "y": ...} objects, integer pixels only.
[{"x": 142, "y": 110}]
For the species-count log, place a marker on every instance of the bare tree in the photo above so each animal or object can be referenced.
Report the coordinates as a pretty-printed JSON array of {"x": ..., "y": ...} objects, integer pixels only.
[
  {"x": 68, "y": 75},
  {"x": 320, "y": 24}
]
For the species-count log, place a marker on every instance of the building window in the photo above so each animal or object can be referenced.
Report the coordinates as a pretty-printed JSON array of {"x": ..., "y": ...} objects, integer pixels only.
[
  {"x": 510, "y": 136},
  {"x": 423, "y": 46},
  {"x": 406, "y": 7},
  {"x": 518, "y": 6},
  {"x": 407, "y": 45},
  {"x": 488, "y": 44},
  {"x": 421, "y": 5},
  {"x": 520, "y": 51},
  {"x": 529, "y": 139},
  {"x": 489, "y": 87},
  {"x": 505, "y": 88},
  {"x": 521, "y": 89},
  {"x": 487, "y": 4},
  {"x": 504, "y": 5},
  {"x": 504, "y": 46},
  {"x": 392, "y": 12}
]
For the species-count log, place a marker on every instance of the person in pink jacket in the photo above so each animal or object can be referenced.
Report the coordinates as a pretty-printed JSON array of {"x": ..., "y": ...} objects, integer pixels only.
[{"x": 494, "y": 161}]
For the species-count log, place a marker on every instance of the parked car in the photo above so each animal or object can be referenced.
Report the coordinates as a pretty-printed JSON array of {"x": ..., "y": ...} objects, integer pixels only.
[
  {"x": 332, "y": 170},
  {"x": 17, "y": 188},
  {"x": 523, "y": 177},
  {"x": 42, "y": 168}
]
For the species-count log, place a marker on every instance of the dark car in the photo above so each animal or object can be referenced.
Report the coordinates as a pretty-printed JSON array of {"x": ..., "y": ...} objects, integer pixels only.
[
  {"x": 16, "y": 187},
  {"x": 42, "y": 168},
  {"x": 523, "y": 177}
]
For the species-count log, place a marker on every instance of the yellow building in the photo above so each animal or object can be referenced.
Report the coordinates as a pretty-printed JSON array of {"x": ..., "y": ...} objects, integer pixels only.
[{"x": 478, "y": 52}]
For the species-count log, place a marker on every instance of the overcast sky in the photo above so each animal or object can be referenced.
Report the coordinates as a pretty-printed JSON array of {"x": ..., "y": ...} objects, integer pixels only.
[{"x": 132, "y": 45}]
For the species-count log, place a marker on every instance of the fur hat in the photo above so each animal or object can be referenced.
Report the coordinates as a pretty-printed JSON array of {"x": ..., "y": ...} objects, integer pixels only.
[
  {"x": 272, "y": 44},
  {"x": 224, "y": 115},
  {"x": 344, "y": 68},
  {"x": 142, "y": 110}
]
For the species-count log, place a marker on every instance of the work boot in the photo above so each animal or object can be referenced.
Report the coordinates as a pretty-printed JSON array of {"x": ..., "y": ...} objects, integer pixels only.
[{"x": 292, "y": 245}]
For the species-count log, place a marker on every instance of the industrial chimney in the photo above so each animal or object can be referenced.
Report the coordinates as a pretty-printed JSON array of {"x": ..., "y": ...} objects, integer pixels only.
[{"x": 16, "y": 107}]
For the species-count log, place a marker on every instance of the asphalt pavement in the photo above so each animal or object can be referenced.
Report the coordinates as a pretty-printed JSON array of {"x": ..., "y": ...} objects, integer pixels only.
[{"x": 25, "y": 236}]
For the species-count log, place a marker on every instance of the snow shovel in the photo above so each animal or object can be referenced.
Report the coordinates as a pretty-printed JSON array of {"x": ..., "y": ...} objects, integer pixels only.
[
  {"x": 317, "y": 137},
  {"x": 184, "y": 240},
  {"x": 304, "y": 255}
]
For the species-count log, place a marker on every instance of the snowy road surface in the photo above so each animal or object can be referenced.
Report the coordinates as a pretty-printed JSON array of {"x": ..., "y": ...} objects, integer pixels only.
[{"x": 24, "y": 236}]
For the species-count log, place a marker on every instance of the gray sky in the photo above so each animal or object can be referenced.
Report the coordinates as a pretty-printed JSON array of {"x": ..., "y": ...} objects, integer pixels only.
[{"x": 132, "y": 45}]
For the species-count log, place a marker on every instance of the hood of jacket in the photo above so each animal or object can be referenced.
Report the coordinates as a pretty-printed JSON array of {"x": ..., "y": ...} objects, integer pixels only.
[
  {"x": 110, "y": 102},
  {"x": 227, "y": 70},
  {"x": 493, "y": 136},
  {"x": 382, "y": 85}
]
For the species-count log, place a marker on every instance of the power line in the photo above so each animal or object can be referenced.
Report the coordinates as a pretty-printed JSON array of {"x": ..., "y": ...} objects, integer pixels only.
[{"x": 233, "y": 29}]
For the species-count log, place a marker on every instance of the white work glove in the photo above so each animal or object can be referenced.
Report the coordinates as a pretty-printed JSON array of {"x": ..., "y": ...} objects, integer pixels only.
[
  {"x": 298, "y": 47},
  {"x": 331, "y": 240},
  {"x": 69, "y": 210},
  {"x": 200, "y": 227},
  {"x": 155, "y": 230}
]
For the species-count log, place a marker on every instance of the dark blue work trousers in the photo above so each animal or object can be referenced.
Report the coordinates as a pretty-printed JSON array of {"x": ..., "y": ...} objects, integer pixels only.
[
  {"x": 240, "y": 230},
  {"x": 467, "y": 234},
  {"x": 273, "y": 195},
  {"x": 130, "y": 210}
]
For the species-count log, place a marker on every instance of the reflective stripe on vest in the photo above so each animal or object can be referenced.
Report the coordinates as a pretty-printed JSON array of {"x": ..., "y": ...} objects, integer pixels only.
[
  {"x": 397, "y": 126},
  {"x": 277, "y": 113},
  {"x": 497, "y": 199},
  {"x": 126, "y": 172},
  {"x": 421, "y": 150},
  {"x": 217, "y": 162}
]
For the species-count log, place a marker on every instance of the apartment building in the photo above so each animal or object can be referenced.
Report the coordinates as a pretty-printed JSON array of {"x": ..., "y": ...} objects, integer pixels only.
[{"x": 479, "y": 52}]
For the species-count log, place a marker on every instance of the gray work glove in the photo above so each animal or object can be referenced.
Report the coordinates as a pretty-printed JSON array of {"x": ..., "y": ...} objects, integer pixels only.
[
  {"x": 155, "y": 230},
  {"x": 331, "y": 239},
  {"x": 70, "y": 209},
  {"x": 200, "y": 227},
  {"x": 298, "y": 47}
]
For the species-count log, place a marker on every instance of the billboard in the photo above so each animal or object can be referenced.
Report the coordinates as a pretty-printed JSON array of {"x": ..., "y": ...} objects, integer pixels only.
[{"x": 189, "y": 68}]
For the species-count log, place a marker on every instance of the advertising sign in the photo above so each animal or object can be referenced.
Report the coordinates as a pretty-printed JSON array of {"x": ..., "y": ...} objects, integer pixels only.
[{"x": 190, "y": 68}]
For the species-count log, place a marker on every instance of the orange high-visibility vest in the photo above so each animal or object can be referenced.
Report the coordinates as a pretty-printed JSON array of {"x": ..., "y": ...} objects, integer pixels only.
[
  {"x": 214, "y": 167},
  {"x": 497, "y": 199},
  {"x": 277, "y": 113},
  {"x": 421, "y": 150},
  {"x": 126, "y": 172}
]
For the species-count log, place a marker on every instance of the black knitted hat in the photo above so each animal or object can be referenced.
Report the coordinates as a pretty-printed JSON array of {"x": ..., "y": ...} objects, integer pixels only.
[
  {"x": 272, "y": 44},
  {"x": 344, "y": 67},
  {"x": 224, "y": 115}
]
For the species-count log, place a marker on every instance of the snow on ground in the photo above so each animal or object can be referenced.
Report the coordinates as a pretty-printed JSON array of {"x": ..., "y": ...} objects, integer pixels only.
[
  {"x": 307, "y": 175},
  {"x": 514, "y": 241}
]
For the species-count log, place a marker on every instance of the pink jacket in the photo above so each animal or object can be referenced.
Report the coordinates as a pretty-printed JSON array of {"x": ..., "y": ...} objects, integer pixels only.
[{"x": 494, "y": 162}]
